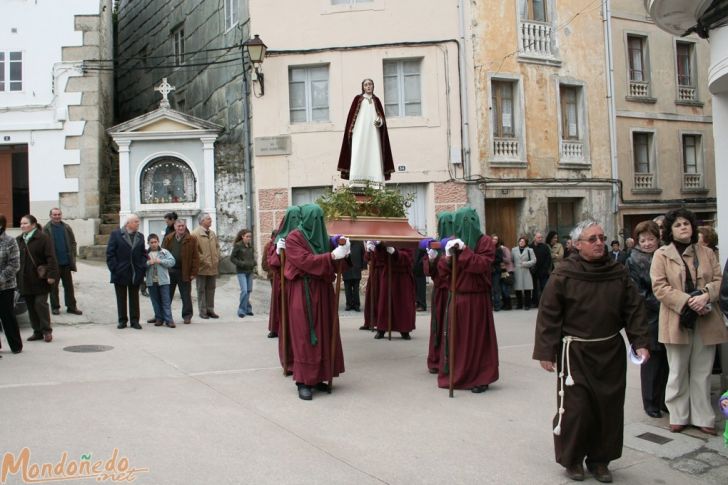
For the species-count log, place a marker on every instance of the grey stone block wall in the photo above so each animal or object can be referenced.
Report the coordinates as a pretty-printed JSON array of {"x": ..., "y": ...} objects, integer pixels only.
[{"x": 212, "y": 91}]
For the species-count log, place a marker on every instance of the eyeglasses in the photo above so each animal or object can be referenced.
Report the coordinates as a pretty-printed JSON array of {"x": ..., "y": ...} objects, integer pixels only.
[{"x": 593, "y": 239}]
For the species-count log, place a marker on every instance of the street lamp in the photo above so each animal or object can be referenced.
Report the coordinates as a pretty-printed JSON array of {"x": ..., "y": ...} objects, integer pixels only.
[{"x": 256, "y": 52}]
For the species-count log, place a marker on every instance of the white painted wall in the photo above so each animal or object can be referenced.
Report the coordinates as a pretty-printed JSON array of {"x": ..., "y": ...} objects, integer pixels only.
[{"x": 34, "y": 116}]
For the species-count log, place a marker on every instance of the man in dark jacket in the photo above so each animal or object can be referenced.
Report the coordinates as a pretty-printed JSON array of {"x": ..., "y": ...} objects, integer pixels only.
[
  {"x": 542, "y": 267},
  {"x": 186, "y": 263},
  {"x": 63, "y": 243},
  {"x": 126, "y": 258},
  {"x": 352, "y": 276},
  {"x": 589, "y": 299}
]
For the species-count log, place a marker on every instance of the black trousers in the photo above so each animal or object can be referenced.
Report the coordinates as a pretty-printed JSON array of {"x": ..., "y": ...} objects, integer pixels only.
[
  {"x": 653, "y": 375},
  {"x": 421, "y": 291},
  {"x": 351, "y": 288},
  {"x": 39, "y": 313},
  {"x": 9, "y": 323},
  {"x": 68, "y": 294},
  {"x": 121, "y": 308},
  {"x": 185, "y": 291}
]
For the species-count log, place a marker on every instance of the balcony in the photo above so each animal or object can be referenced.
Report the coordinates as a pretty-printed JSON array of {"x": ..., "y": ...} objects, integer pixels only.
[
  {"x": 693, "y": 182},
  {"x": 639, "y": 89},
  {"x": 645, "y": 183},
  {"x": 536, "y": 42},
  {"x": 686, "y": 93},
  {"x": 506, "y": 149},
  {"x": 572, "y": 151}
]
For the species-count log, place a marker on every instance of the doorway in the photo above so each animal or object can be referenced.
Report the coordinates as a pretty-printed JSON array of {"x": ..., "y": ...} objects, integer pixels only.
[
  {"x": 14, "y": 183},
  {"x": 501, "y": 217}
]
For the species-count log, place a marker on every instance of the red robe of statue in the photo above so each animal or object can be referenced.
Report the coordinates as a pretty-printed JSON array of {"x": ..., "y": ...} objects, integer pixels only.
[
  {"x": 441, "y": 288},
  {"x": 311, "y": 362},
  {"x": 476, "y": 347},
  {"x": 345, "y": 154},
  {"x": 402, "y": 289}
]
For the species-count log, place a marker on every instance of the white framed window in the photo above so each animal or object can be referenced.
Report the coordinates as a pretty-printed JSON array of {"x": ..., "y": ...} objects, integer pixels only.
[
  {"x": 11, "y": 71},
  {"x": 534, "y": 10},
  {"x": 638, "y": 65},
  {"x": 644, "y": 161},
  {"x": 308, "y": 94},
  {"x": 686, "y": 71},
  {"x": 537, "y": 33},
  {"x": 692, "y": 162},
  {"x": 417, "y": 210},
  {"x": 506, "y": 119},
  {"x": 178, "y": 44},
  {"x": 308, "y": 195},
  {"x": 403, "y": 87},
  {"x": 573, "y": 122},
  {"x": 232, "y": 14}
]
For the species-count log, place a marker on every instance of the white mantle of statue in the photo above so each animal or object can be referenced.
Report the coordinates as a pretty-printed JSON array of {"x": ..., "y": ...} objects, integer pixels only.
[{"x": 166, "y": 163}]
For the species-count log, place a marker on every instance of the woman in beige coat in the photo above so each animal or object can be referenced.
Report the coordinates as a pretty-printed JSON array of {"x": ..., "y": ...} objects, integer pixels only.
[{"x": 676, "y": 274}]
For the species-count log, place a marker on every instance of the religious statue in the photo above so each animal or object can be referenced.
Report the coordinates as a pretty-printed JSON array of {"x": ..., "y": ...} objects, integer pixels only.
[{"x": 366, "y": 157}]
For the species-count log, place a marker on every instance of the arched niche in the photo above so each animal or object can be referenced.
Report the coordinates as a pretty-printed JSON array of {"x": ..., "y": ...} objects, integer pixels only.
[{"x": 166, "y": 180}]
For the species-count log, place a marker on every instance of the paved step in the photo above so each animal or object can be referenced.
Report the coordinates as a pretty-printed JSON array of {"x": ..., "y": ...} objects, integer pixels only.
[
  {"x": 101, "y": 239},
  {"x": 107, "y": 228},
  {"x": 96, "y": 253},
  {"x": 110, "y": 218}
]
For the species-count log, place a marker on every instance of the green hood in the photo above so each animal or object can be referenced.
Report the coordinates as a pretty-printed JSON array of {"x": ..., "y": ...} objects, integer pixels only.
[
  {"x": 444, "y": 224},
  {"x": 313, "y": 228},
  {"x": 290, "y": 221},
  {"x": 467, "y": 226}
]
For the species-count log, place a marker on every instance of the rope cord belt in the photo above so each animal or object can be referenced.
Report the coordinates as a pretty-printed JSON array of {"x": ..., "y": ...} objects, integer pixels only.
[{"x": 565, "y": 345}]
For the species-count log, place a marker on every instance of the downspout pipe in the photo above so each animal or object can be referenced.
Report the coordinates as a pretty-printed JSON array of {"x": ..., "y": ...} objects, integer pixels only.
[
  {"x": 612, "y": 110},
  {"x": 247, "y": 146},
  {"x": 464, "y": 114}
]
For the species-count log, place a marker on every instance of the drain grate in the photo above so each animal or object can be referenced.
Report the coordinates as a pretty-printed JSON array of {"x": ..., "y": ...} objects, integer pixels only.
[
  {"x": 654, "y": 438},
  {"x": 85, "y": 349}
]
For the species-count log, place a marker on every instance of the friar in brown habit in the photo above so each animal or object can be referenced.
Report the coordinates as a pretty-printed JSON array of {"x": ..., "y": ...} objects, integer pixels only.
[{"x": 588, "y": 300}]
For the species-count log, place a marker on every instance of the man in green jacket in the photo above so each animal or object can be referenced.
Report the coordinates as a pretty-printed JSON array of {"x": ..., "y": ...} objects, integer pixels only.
[{"x": 63, "y": 243}]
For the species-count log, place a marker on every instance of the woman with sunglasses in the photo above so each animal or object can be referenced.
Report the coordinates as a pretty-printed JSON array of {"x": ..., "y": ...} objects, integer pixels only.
[{"x": 686, "y": 280}]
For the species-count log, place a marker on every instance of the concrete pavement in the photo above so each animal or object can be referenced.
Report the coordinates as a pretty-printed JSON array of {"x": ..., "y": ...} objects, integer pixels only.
[{"x": 207, "y": 403}]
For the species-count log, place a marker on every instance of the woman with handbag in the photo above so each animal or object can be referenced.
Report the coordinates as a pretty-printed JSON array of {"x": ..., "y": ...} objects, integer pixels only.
[
  {"x": 506, "y": 280},
  {"x": 686, "y": 280},
  {"x": 38, "y": 272},
  {"x": 524, "y": 259}
]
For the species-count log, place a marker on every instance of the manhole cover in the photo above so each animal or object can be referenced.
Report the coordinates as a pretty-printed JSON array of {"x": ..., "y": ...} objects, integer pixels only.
[
  {"x": 84, "y": 349},
  {"x": 654, "y": 438}
]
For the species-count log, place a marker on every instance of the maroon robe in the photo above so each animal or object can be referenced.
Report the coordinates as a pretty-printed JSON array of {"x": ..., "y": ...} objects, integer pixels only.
[
  {"x": 274, "y": 319},
  {"x": 370, "y": 310},
  {"x": 311, "y": 362},
  {"x": 345, "y": 154},
  {"x": 402, "y": 290},
  {"x": 476, "y": 347},
  {"x": 438, "y": 307}
]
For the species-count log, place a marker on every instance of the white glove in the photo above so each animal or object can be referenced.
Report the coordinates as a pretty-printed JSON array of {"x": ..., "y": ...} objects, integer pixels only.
[
  {"x": 340, "y": 252},
  {"x": 371, "y": 247},
  {"x": 432, "y": 254},
  {"x": 348, "y": 245},
  {"x": 454, "y": 243},
  {"x": 281, "y": 244},
  {"x": 390, "y": 249}
]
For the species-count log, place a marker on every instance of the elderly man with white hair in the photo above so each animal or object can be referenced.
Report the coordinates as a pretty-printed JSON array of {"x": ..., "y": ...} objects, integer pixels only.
[
  {"x": 589, "y": 299},
  {"x": 126, "y": 257},
  {"x": 209, "y": 248}
]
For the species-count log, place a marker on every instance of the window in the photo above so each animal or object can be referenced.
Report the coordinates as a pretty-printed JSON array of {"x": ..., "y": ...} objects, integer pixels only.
[
  {"x": 178, "y": 43},
  {"x": 308, "y": 94},
  {"x": 684, "y": 64},
  {"x": 642, "y": 152},
  {"x": 402, "y": 88},
  {"x": 308, "y": 195},
  {"x": 636, "y": 46},
  {"x": 167, "y": 180},
  {"x": 231, "y": 13},
  {"x": 11, "y": 71},
  {"x": 534, "y": 10},
  {"x": 569, "y": 113},
  {"x": 503, "y": 117},
  {"x": 691, "y": 153}
]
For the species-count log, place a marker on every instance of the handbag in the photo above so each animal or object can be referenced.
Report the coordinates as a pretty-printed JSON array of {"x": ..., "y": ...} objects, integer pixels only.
[
  {"x": 532, "y": 269},
  {"x": 688, "y": 316},
  {"x": 506, "y": 278},
  {"x": 40, "y": 269}
]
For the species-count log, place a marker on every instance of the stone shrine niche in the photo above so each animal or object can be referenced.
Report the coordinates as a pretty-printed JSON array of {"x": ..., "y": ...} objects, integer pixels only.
[{"x": 167, "y": 180}]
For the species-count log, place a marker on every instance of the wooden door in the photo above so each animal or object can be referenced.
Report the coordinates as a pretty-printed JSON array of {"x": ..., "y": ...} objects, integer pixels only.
[
  {"x": 6, "y": 186},
  {"x": 501, "y": 217}
]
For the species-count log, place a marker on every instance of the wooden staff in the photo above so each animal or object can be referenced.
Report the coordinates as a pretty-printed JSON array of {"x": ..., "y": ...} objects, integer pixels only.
[
  {"x": 453, "y": 318},
  {"x": 389, "y": 295},
  {"x": 335, "y": 322},
  {"x": 284, "y": 314},
  {"x": 372, "y": 282}
]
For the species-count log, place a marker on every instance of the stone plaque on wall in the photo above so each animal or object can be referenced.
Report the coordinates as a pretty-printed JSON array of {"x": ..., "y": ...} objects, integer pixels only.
[{"x": 272, "y": 145}]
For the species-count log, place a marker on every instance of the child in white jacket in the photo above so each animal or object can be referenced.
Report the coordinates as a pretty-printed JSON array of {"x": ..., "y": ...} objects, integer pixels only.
[{"x": 159, "y": 260}]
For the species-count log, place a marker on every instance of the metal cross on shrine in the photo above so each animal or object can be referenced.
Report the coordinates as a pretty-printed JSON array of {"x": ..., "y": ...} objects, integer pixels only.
[{"x": 165, "y": 88}]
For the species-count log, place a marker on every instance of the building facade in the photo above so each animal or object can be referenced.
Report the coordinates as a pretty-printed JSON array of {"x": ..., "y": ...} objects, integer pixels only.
[
  {"x": 54, "y": 106},
  {"x": 314, "y": 68},
  {"x": 196, "y": 45},
  {"x": 543, "y": 146},
  {"x": 663, "y": 119}
]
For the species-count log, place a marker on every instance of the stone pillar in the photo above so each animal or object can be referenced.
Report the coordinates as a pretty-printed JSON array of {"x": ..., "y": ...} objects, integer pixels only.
[
  {"x": 208, "y": 156},
  {"x": 124, "y": 180}
]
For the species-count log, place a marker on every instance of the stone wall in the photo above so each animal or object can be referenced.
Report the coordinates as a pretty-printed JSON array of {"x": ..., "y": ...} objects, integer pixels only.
[
  {"x": 272, "y": 205},
  {"x": 450, "y": 196}
]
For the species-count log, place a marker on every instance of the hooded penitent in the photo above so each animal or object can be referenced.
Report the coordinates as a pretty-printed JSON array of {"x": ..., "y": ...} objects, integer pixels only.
[
  {"x": 313, "y": 228},
  {"x": 467, "y": 226},
  {"x": 290, "y": 222},
  {"x": 444, "y": 224}
]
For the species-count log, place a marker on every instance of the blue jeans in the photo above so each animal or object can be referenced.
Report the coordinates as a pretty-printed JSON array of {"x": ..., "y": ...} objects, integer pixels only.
[
  {"x": 246, "y": 288},
  {"x": 161, "y": 302}
]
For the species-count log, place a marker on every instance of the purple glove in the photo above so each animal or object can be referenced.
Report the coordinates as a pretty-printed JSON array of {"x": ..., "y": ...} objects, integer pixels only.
[
  {"x": 334, "y": 240},
  {"x": 443, "y": 241},
  {"x": 425, "y": 243}
]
